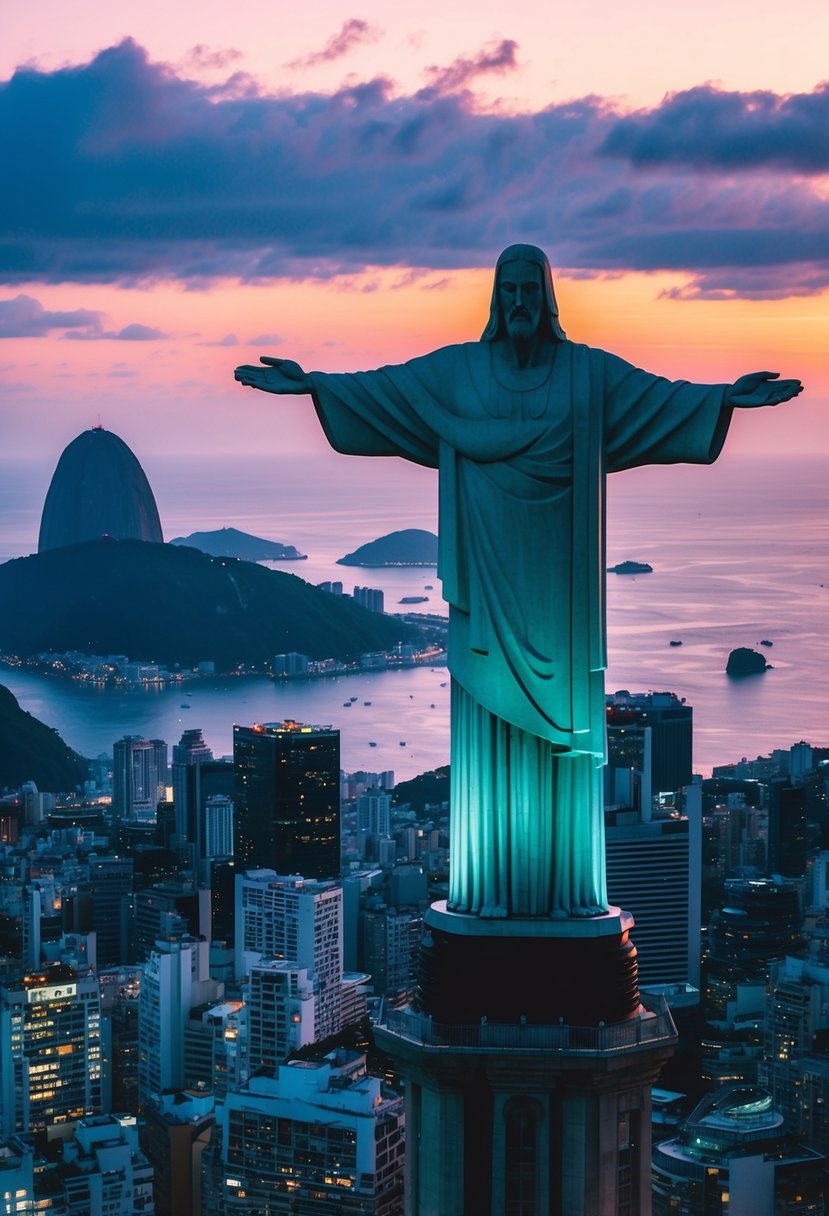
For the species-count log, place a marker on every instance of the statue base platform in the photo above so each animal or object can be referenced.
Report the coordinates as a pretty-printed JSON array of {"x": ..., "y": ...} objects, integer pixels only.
[{"x": 527, "y": 971}]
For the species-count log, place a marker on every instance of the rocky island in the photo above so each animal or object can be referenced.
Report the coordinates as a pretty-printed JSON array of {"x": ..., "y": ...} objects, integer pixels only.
[
  {"x": 409, "y": 547},
  {"x": 746, "y": 662},
  {"x": 630, "y": 568},
  {"x": 230, "y": 542}
]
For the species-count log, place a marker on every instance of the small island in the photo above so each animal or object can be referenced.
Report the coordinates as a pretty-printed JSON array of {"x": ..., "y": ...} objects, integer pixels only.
[
  {"x": 746, "y": 662},
  {"x": 230, "y": 542},
  {"x": 409, "y": 547},
  {"x": 630, "y": 568}
]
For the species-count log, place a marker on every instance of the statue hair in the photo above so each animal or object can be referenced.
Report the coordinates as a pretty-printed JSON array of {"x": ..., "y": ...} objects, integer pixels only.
[{"x": 549, "y": 319}]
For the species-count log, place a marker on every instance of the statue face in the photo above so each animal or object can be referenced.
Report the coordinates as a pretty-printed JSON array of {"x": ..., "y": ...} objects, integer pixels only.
[{"x": 521, "y": 298}]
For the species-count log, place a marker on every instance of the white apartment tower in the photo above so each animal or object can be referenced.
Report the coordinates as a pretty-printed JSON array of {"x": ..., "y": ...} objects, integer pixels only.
[
  {"x": 174, "y": 981},
  {"x": 298, "y": 921}
]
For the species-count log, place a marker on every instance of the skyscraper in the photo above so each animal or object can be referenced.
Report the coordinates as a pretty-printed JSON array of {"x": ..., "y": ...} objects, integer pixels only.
[
  {"x": 50, "y": 1049},
  {"x": 288, "y": 798},
  {"x": 139, "y": 775},
  {"x": 110, "y": 882},
  {"x": 653, "y": 832},
  {"x": 649, "y": 748},
  {"x": 191, "y": 750}
]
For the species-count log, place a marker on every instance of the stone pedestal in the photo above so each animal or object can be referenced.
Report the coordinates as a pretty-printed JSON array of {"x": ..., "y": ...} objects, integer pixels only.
[{"x": 528, "y": 1061}]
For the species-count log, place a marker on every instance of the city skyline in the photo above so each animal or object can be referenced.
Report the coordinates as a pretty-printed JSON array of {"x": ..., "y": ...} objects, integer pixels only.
[{"x": 338, "y": 193}]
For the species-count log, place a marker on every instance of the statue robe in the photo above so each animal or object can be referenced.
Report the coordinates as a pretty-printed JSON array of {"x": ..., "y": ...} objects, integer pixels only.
[{"x": 522, "y": 560}]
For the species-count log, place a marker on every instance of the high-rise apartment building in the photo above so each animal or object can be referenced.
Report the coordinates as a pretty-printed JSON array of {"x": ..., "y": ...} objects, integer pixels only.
[
  {"x": 212, "y": 1047},
  {"x": 299, "y": 922},
  {"x": 175, "y": 980},
  {"x": 50, "y": 1049},
  {"x": 99, "y": 1171},
  {"x": 288, "y": 800},
  {"x": 104, "y": 1171},
  {"x": 190, "y": 751},
  {"x": 174, "y": 1134},
  {"x": 390, "y": 941},
  {"x": 787, "y": 845},
  {"x": 320, "y": 1136},
  {"x": 370, "y": 597},
  {"x": 217, "y": 828},
  {"x": 796, "y": 1015},
  {"x": 280, "y": 1011},
  {"x": 290, "y": 665},
  {"x": 169, "y": 910},
  {"x": 374, "y": 812},
  {"x": 654, "y": 870},
  {"x": 110, "y": 884},
  {"x": 139, "y": 775}
]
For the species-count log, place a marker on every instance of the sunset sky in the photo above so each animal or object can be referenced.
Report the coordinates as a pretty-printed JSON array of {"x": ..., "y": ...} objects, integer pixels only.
[{"x": 189, "y": 186}]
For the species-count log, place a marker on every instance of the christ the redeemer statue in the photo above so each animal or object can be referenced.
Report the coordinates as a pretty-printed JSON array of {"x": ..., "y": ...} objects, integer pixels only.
[{"x": 523, "y": 426}]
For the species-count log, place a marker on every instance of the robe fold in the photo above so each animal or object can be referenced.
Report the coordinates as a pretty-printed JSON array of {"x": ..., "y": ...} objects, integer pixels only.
[{"x": 522, "y": 560}]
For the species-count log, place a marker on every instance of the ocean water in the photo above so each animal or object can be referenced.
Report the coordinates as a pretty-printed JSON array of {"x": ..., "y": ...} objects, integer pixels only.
[{"x": 740, "y": 552}]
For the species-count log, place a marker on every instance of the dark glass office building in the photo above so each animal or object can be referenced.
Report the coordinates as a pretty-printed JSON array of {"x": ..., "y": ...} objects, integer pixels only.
[{"x": 287, "y": 798}]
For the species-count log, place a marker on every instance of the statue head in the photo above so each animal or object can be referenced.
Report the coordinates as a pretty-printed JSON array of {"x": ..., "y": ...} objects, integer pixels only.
[{"x": 524, "y": 256}]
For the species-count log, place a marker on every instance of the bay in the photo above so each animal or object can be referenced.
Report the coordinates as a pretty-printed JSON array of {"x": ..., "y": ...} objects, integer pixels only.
[{"x": 740, "y": 553}]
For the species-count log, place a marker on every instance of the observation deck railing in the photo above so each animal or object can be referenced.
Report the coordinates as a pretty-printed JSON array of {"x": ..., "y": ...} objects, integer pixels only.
[{"x": 653, "y": 1024}]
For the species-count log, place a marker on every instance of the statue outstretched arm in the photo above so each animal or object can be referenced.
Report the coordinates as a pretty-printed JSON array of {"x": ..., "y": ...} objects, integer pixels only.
[
  {"x": 277, "y": 376},
  {"x": 757, "y": 389}
]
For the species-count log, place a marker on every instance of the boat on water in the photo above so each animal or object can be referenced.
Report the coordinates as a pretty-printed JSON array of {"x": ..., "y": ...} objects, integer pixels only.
[
  {"x": 402, "y": 742},
  {"x": 353, "y": 698},
  {"x": 366, "y": 702},
  {"x": 184, "y": 705},
  {"x": 372, "y": 743},
  {"x": 346, "y": 705}
]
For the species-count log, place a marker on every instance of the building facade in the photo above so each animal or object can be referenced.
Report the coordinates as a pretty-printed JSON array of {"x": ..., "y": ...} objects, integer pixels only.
[{"x": 287, "y": 795}]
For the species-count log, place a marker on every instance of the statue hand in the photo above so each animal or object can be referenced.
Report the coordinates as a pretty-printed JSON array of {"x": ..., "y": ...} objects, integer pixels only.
[
  {"x": 761, "y": 388},
  {"x": 277, "y": 376}
]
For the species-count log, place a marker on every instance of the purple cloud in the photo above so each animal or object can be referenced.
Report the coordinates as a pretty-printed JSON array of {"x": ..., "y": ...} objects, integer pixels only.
[
  {"x": 25, "y": 317},
  {"x": 227, "y": 340},
  {"x": 353, "y": 32},
  {"x": 711, "y": 129},
  {"x": 139, "y": 333},
  {"x": 266, "y": 340},
  {"x": 161, "y": 176},
  {"x": 497, "y": 58},
  {"x": 201, "y": 57}
]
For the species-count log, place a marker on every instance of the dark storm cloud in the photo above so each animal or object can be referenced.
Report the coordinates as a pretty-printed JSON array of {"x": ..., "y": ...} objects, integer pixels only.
[
  {"x": 714, "y": 130},
  {"x": 125, "y": 171}
]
